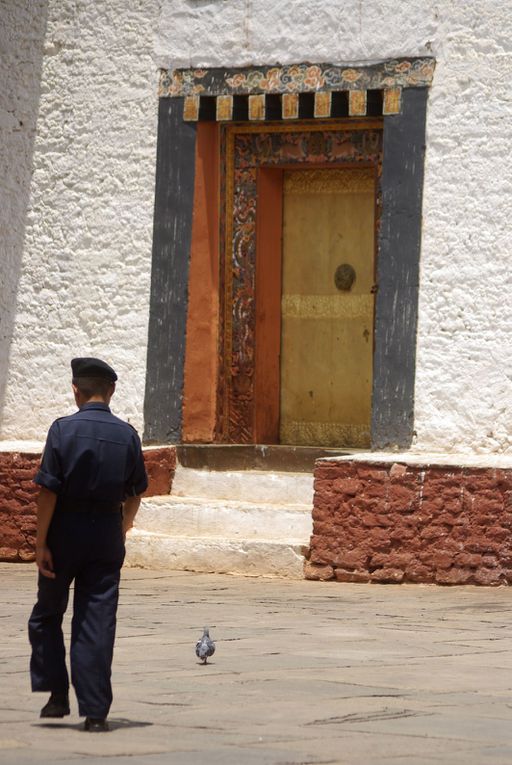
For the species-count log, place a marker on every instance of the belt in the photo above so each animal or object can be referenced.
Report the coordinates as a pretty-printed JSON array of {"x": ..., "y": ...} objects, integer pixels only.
[{"x": 72, "y": 505}]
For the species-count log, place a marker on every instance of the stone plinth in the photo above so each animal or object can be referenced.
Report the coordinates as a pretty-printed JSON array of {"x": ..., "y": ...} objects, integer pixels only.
[
  {"x": 18, "y": 496},
  {"x": 392, "y": 521},
  {"x": 17, "y": 505},
  {"x": 160, "y": 464}
]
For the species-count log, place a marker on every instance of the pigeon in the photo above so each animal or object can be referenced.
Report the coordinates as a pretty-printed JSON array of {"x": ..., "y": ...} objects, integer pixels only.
[{"x": 205, "y": 647}]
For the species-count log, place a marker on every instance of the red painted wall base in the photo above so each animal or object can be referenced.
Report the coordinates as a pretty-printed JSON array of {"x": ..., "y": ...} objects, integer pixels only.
[
  {"x": 390, "y": 522},
  {"x": 18, "y": 496}
]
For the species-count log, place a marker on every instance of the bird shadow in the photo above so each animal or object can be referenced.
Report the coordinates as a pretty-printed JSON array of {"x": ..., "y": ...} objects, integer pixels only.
[
  {"x": 114, "y": 723},
  {"x": 208, "y": 664}
]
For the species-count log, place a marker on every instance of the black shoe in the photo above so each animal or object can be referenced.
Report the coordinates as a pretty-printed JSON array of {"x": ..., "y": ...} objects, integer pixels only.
[
  {"x": 57, "y": 706},
  {"x": 96, "y": 725}
]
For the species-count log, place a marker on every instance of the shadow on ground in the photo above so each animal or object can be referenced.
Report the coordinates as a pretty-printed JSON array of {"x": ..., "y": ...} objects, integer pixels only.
[{"x": 115, "y": 723}]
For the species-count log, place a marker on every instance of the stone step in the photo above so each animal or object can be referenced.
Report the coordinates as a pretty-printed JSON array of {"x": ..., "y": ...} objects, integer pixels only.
[
  {"x": 282, "y": 559},
  {"x": 245, "y": 485},
  {"x": 248, "y": 522},
  {"x": 277, "y": 457},
  {"x": 205, "y": 517}
]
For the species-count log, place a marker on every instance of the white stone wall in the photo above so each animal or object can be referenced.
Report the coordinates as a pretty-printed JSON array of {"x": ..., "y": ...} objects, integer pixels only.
[
  {"x": 22, "y": 28},
  {"x": 464, "y": 373},
  {"x": 76, "y": 203},
  {"x": 79, "y": 227}
]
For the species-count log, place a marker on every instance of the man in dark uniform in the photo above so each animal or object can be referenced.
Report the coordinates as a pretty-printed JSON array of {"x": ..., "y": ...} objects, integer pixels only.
[{"x": 91, "y": 477}]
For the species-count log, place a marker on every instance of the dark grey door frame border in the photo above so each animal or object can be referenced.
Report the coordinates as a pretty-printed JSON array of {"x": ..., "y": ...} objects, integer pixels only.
[
  {"x": 172, "y": 234},
  {"x": 396, "y": 312}
]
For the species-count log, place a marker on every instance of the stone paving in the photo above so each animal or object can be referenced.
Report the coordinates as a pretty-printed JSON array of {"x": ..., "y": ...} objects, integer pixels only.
[{"x": 304, "y": 673}]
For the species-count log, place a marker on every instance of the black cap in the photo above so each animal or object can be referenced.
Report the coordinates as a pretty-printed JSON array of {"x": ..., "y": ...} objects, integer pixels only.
[{"x": 90, "y": 367}]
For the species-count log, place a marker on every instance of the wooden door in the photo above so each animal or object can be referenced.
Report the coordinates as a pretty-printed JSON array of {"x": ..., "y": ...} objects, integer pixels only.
[{"x": 327, "y": 329}]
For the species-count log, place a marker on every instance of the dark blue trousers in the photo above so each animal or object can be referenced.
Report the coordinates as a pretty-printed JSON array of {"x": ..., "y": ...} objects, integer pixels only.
[{"x": 87, "y": 548}]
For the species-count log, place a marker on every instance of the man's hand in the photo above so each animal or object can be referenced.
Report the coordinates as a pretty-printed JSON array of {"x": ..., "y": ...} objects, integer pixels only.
[
  {"x": 130, "y": 508},
  {"x": 126, "y": 529},
  {"x": 44, "y": 561},
  {"x": 45, "y": 509}
]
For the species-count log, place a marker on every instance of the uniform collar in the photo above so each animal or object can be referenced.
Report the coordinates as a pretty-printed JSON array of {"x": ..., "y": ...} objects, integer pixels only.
[{"x": 95, "y": 405}]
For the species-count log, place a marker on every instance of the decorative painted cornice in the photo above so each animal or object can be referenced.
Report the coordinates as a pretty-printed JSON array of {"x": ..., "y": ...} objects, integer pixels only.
[
  {"x": 324, "y": 81},
  {"x": 297, "y": 78}
]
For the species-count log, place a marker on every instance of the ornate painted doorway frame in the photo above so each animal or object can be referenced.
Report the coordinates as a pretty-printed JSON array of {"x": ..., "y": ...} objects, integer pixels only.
[
  {"x": 245, "y": 151},
  {"x": 399, "y": 248}
]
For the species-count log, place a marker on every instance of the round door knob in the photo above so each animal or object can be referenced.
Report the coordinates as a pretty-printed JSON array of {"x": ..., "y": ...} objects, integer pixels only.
[{"x": 344, "y": 277}]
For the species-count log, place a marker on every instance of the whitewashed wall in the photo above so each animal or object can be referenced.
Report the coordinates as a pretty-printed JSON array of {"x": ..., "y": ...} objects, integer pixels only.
[
  {"x": 79, "y": 234},
  {"x": 79, "y": 281},
  {"x": 22, "y": 29},
  {"x": 464, "y": 372}
]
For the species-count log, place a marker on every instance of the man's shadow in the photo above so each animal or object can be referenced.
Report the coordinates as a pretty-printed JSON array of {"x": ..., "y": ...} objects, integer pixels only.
[{"x": 114, "y": 723}]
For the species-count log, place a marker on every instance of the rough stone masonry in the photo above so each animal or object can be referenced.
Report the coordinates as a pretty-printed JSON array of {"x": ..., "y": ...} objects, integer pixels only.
[
  {"x": 18, "y": 495},
  {"x": 391, "y": 522}
]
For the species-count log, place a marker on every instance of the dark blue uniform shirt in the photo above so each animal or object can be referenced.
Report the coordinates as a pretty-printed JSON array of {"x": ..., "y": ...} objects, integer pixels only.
[{"x": 93, "y": 456}]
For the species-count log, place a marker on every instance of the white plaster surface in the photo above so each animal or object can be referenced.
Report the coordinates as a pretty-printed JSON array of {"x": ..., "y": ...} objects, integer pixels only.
[
  {"x": 83, "y": 248},
  {"x": 24, "y": 447},
  {"x": 221, "y": 556},
  {"x": 79, "y": 232},
  {"x": 240, "y": 522},
  {"x": 22, "y": 26},
  {"x": 242, "y": 32},
  {"x": 464, "y": 372},
  {"x": 430, "y": 459},
  {"x": 269, "y": 487},
  {"x": 204, "y": 517}
]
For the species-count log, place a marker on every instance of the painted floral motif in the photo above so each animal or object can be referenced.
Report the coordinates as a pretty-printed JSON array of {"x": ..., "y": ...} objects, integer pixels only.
[
  {"x": 314, "y": 79},
  {"x": 175, "y": 83},
  {"x": 297, "y": 78},
  {"x": 351, "y": 75}
]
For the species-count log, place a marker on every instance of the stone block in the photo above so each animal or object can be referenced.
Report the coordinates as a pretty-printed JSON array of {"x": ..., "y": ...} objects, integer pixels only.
[
  {"x": 350, "y": 487},
  {"x": 8, "y": 553},
  {"x": 393, "y": 559},
  {"x": 351, "y": 559},
  {"x": 505, "y": 520},
  {"x": 490, "y": 561},
  {"x": 503, "y": 480},
  {"x": 398, "y": 471},
  {"x": 379, "y": 540},
  {"x": 442, "y": 560},
  {"x": 322, "y": 551},
  {"x": 378, "y": 490},
  {"x": 402, "y": 500},
  {"x": 160, "y": 467},
  {"x": 26, "y": 554},
  {"x": 371, "y": 475},
  {"x": 455, "y": 576},
  {"x": 479, "y": 544},
  {"x": 479, "y": 480},
  {"x": 490, "y": 577},
  {"x": 402, "y": 534},
  {"x": 431, "y": 506},
  {"x": 387, "y": 576},
  {"x": 418, "y": 573},
  {"x": 498, "y": 533},
  {"x": 465, "y": 560},
  {"x": 356, "y": 577},
  {"x": 318, "y": 573},
  {"x": 433, "y": 533},
  {"x": 323, "y": 528},
  {"x": 369, "y": 520}
]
